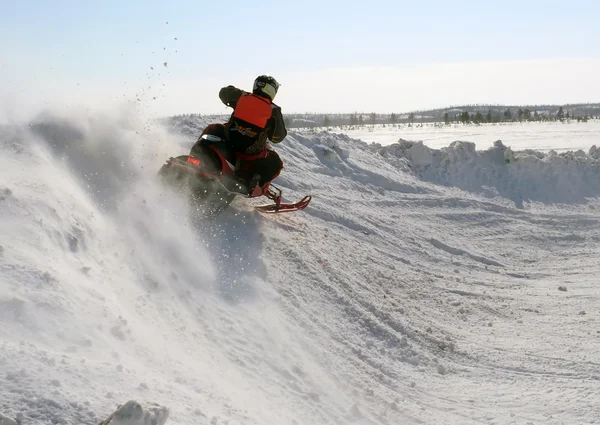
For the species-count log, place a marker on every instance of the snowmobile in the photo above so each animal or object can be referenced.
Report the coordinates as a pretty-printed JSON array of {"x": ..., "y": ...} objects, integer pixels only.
[{"x": 208, "y": 175}]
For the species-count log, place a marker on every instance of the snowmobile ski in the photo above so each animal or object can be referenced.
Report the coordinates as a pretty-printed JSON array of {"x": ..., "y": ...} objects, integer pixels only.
[
  {"x": 274, "y": 193},
  {"x": 282, "y": 207}
]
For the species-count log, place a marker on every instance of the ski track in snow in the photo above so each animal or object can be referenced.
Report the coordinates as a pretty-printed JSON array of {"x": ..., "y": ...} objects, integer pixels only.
[{"x": 421, "y": 286}]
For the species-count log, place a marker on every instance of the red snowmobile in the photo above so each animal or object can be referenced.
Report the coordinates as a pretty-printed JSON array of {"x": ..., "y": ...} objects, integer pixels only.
[{"x": 209, "y": 176}]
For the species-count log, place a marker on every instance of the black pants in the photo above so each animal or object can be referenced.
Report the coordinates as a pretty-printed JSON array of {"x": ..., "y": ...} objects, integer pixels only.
[{"x": 268, "y": 167}]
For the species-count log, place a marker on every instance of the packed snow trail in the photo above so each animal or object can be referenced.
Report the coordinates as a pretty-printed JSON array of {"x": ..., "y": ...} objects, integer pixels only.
[{"x": 420, "y": 286}]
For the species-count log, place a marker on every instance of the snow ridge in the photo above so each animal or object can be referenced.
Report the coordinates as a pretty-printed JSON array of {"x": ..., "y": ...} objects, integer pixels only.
[{"x": 566, "y": 177}]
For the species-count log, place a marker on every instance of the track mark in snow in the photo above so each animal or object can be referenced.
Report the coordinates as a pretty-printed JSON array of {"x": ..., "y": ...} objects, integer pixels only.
[
  {"x": 518, "y": 275},
  {"x": 338, "y": 219},
  {"x": 464, "y": 293},
  {"x": 460, "y": 252}
]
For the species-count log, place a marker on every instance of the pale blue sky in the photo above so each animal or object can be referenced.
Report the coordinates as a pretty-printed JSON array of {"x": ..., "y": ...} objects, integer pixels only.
[{"x": 107, "y": 47}]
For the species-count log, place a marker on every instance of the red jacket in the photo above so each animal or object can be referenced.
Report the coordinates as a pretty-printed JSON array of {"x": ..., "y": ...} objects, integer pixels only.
[{"x": 254, "y": 120}]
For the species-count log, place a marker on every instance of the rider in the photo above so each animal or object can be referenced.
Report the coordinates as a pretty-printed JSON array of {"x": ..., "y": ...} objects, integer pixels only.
[{"x": 255, "y": 119}]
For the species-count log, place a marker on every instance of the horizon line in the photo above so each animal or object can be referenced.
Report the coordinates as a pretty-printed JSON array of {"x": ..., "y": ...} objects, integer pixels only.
[{"x": 474, "y": 105}]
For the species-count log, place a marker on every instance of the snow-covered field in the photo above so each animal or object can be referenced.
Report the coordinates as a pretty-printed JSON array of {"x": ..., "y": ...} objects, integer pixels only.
[
  {"x": 421, "y": 286},
  {"x": 529, "y": 135}
]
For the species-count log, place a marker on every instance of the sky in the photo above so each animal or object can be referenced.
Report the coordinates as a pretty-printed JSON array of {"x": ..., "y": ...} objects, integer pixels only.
[{"x": 330, "y": 56}]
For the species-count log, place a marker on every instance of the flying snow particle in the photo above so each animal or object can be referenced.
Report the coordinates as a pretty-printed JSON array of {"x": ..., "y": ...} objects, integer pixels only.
[{"x": 165, "y": 64}]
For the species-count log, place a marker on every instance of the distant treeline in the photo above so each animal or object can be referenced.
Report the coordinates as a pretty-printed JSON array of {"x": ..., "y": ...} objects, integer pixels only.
[
  {"x": 475, "y": 114},
  {"x": 467, "y": 114}
]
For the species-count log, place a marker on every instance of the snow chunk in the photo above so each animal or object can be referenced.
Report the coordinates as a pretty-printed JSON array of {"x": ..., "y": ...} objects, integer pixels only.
[
  {"x": 420, "y": 154},
  {"x": 132, "y": 413},
  {"x": 4, "y": 420},
  {"x": 5, "y": 194}
]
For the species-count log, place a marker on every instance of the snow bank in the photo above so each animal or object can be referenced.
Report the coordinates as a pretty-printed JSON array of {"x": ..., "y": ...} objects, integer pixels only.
[
  {"x": 337, "y": 155},
  {"x": 527, "y": 175},
  {"x": 522, "y": 176}
]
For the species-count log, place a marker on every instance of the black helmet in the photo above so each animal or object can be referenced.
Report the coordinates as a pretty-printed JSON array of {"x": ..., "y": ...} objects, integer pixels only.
[{"x": 265, "y": 85}]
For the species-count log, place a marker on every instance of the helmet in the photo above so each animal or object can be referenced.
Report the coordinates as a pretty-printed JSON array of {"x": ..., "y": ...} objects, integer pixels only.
[{"x": 265, "y": 85}]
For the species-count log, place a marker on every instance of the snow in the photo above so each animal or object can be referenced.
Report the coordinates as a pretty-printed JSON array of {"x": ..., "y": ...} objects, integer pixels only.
[
  {"x": 564, "y": 177},
  {"x": 424, "y": 284},
  {"x": 558, "y": 136},
  {"x": 133, "y": 413}
]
